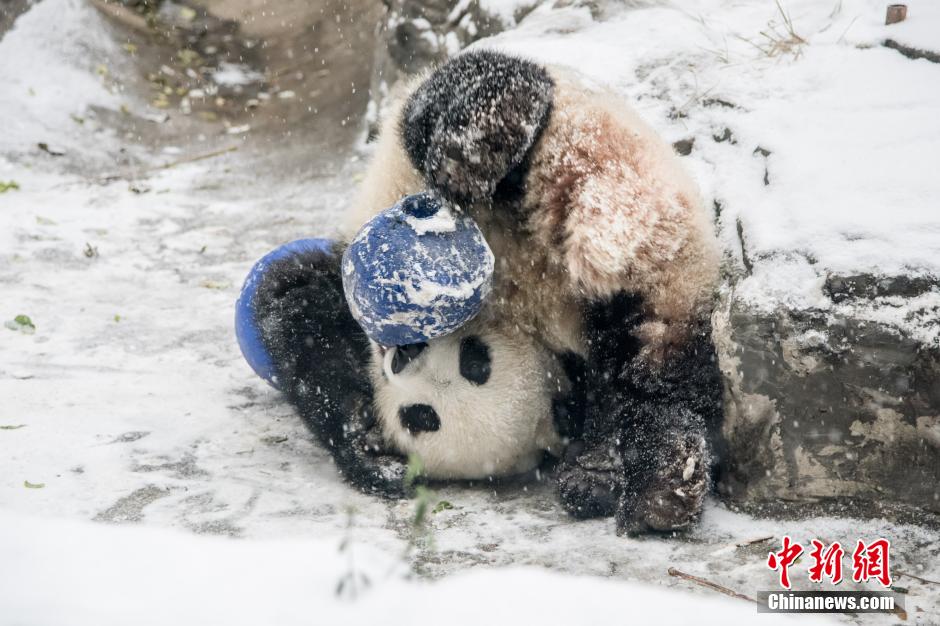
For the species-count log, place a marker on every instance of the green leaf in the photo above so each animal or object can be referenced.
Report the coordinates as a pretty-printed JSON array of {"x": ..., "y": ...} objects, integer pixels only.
[
  {"x": 21, "y": 323},
  {"x": 12, "y": 426},
  {"x": 8, "y": 186},
  {"x": 443, "y": 505},
  {"x": 23, "y": 320},
  {"x": 30, "y": 485}
]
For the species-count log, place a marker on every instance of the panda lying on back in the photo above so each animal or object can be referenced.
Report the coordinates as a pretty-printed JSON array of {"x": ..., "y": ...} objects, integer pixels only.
[{"x": 595, "y": 342}]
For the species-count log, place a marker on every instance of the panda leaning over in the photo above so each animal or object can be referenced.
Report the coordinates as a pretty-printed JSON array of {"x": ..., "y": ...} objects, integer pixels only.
[{"x": 594, "y": 344}]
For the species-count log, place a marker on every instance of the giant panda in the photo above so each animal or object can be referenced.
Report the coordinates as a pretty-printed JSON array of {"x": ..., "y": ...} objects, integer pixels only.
[{"x": 595, "y": 342}]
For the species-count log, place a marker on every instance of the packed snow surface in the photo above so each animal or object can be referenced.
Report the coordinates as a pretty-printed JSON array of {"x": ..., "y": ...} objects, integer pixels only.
[{"x": 106, "y": 576}]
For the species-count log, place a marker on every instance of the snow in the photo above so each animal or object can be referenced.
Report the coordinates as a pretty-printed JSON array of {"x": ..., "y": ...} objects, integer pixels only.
[
  {"x": 178, "y": 488},
  {"x": 55, "y": 63},
  {"x": 233, "y": 74},
  {"x": 441, "y": 222},
  {"x": 104, "y": 576},
  {"x": 851, "y": 126},
  {"x": 505, "y": 10}
]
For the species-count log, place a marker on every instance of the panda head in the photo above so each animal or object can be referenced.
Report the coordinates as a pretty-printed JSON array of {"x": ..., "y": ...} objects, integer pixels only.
[{"x": 473, "y": 404}]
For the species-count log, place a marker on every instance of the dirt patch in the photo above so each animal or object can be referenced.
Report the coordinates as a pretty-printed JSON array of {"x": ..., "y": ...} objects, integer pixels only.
[
  {"x": 285, "y": 84},
  {"x": 9, "y": 11}
]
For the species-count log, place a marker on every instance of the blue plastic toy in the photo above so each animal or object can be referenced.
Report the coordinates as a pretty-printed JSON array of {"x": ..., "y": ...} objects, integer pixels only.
[
  {"x": 246, "y": 330},
  {"x": 416, "y": 271}
]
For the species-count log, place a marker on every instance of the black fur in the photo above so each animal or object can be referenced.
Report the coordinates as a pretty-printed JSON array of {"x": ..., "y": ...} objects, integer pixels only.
[
  {"x": 642, "y": 425},
  {"x": 321, "y": 356},
  {"x": 469, "y": 126},
  {"x": 568, "y": 408},
  {"x": 419, "y": 418},
  {"x": 474, "y": 360},
  {"x": 405, "y": 355}
]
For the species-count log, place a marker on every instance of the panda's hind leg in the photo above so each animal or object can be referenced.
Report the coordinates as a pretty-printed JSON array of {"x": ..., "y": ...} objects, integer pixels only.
[
  {"x": 667, "y": 463},
  {"x": 321, "y": 358},
  {"x": 645, "y": 453},
  {"x": 669, "y": 438}
]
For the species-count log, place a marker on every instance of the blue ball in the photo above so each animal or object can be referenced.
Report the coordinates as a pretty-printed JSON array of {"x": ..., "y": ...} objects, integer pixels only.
[
  {"x": 416, "y": 271},
  {"x": 246, "y": 324}
]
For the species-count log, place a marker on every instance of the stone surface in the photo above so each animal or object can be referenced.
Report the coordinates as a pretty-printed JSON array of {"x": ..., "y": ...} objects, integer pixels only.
[
  {"x": 912, "y": 52},
  {"x": 823, "y": 406}
]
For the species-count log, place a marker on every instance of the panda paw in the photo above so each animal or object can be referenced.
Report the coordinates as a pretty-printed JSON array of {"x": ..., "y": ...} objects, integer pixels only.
[
  {"x": 378, "y": 472},
  {"x": 674, "y": 499},
  {"x": 588, "y": 482}
]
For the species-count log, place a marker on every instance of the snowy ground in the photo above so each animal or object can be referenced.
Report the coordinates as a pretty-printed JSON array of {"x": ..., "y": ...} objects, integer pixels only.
[
  {"x": 844, "y": 128},
  {"x": 129, "y": 404}
]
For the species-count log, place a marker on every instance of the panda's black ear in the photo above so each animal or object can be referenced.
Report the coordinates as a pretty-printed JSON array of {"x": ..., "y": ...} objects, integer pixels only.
[{"x": 474, "y": 120}]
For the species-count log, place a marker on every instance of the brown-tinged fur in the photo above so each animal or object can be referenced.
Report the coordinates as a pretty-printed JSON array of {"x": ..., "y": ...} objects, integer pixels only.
[{"x": 607, "y": 208}]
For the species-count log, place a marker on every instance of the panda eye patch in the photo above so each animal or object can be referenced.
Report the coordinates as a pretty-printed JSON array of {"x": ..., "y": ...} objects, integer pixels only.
[
  {"x": 475, "y": 363},
  {"x": 405, "y": 355},
  {"x": 419, "y": 418}
]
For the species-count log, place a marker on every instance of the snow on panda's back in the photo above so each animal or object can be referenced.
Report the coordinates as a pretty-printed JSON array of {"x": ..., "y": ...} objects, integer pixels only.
[{"x": 473, "y": 404}]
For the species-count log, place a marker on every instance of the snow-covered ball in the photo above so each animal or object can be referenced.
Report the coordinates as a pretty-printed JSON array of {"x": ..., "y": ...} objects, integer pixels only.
[{"x": 416, "y": 271}]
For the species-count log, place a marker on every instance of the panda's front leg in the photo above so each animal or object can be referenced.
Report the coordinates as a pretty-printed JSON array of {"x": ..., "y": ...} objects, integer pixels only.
[
  {"x": 320, "y": 357},
  {"x": 591, "y": 475}
]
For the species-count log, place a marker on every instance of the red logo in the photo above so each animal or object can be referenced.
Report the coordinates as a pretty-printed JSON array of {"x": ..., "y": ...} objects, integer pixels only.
[
  {"x": 826, "y": 562},
  {"x": 868, "y": 561},
  {"x": 784, "y": 559},
  {"x": 871, "y": 561}
]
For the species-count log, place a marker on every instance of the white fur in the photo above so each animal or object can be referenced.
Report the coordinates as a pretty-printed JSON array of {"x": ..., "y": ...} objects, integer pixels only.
[{"x": 500, "y": 427}]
